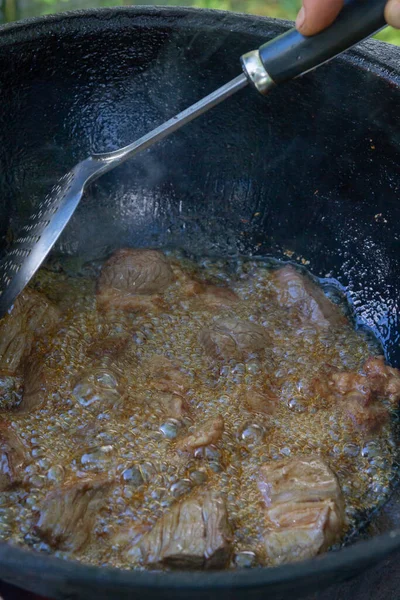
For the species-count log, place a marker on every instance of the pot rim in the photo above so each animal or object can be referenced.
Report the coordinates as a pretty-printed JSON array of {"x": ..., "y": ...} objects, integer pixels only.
[{"x": 42, "y": 567}]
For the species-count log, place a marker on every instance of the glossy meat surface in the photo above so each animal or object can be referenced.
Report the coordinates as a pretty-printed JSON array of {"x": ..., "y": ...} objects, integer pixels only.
[
  {"x": 304, "y": 508},
  {"x": 194, "y": 534}
]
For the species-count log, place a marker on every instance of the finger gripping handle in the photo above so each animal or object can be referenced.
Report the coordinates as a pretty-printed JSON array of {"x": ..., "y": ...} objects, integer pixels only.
[{"x": 292, "y": 54}]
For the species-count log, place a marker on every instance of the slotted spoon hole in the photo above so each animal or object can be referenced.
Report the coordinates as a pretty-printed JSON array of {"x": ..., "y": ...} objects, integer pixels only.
[
  {"x": 31, "y": 233},
  {"x": 23, "y": 240}
]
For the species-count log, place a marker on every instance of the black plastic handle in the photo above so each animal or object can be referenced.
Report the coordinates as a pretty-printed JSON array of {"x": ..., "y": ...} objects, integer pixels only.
[{"x": 293, "y": 54}]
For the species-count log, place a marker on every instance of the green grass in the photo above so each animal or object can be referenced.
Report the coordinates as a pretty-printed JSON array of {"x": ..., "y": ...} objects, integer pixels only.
[{"x": 283, "y": 9}]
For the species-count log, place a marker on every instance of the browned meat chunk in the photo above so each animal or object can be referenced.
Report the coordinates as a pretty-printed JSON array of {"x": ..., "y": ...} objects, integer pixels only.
[
  {"x": 359, "y": 395},
  {"x": 210, "y": 296},
  {"x": 112, "y": 345},
  {"x": 11, "y": 390},
  {"x": 304, "y": 508},
  {"x": 37, "y": 385},
  {"x": 139, "y": 272},
  {"x": 301, "y": 531},
  {"x": 369, "y": 419},
  {"x": 264, "y": 402},
  {"x": 98, "y": 390},
  {"x": 33, "y": 315},
  {"x": 165, "y": 376},
  {"x": 351, "y": 385},
  {"x": 233, "y": 338},
  {"x": 14, "y": 457},
  {"x": 194, "y": 534},
  {"x": 133, "y": 279},
  {"x": 301, "y": 293},
  {"x": 67, "y": 515},
  {"x": 384, "y": 380},
  {"x": 210, "y": 432},
  {"x": 301, "y": 479},
  {"x": 170, "y": 385},
  {"x": 172, "y": 406}
]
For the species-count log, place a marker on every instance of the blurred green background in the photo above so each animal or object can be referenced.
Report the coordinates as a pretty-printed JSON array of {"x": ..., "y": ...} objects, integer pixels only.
[{"x": 11, "y": 10}]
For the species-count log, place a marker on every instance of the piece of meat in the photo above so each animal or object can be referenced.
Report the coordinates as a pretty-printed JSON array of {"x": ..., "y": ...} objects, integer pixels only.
[
  {"x": 299, "y": 292},
  {"x": 11, "y": 390},
  {"x": 170, "y": 385},
  {"x": 301, "y": 531},
  {"x": 210, "y": 296},
  {"x": 165, "y": 376},
  {"x": 68, "y": 513},
  {"x": 264, "y": 402},
  {"x": 233, "y": 338},
  {"x": 209, "y": 432},
  {"x": 111, "y": 345},
  {"x": 357, "y": 395},
  {"x": 137, "y": 271},
  {"x": 351, "y": 384},
  {"x": 32, "y": 316},
  {"x": 384, "y": 380},
  {"x": 369, "y": 419},
  {"x": 13, "y": 457},
  {"x": 133, "y": 279},
  {"x": 38, "y": 384},
  {"x": 299, "y": 479},
  {"x": 173, "y": 406},
  {"x": 304, "y": 508},
  {"x": 193, "y": 534},
  {"x": 375, "y": 366},
  {"x": 110, "y": 299},
  {"x": 98, "y": 390}
]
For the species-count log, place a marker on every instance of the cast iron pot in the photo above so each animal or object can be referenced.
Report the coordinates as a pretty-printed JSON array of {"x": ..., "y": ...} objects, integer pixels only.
[{"x": 312, "y": 169}]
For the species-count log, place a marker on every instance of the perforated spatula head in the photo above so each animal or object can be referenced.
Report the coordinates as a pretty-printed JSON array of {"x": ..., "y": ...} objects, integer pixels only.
[{"x": 35, "y": 240}]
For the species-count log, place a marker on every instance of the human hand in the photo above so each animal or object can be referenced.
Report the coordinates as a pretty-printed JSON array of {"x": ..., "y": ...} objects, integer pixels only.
[{"x": 316, "y": 15}]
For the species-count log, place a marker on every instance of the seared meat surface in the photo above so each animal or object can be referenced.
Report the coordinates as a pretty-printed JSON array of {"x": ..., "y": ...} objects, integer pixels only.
[
  {"x": 383, "y": 380},
  {"x": 304, "y": 508},
  {"x": 132, "y": 279},
  {"x": 32, "y": 318},
  {"x": 14, "y": 457},
  {"x": 194, "y": 534},
  {"x": 360, "y": 394},
  {"x": 299, "y": 293},
  {"x": 68, "y": 513},
  {"x": 161, "y": 414},
  {"x": 32, "y": 315},
  {"x": 209, "y": 432},
  {"x": 210, "y": 296},
  {"x": 233, "y": 338}
]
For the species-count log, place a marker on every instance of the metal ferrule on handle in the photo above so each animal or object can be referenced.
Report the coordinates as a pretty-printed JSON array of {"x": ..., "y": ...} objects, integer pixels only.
[{"x": 292, "y": 54}]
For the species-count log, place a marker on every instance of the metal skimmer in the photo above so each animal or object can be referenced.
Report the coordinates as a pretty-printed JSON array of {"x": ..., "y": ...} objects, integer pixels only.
[{"x": 44, "y": 227}]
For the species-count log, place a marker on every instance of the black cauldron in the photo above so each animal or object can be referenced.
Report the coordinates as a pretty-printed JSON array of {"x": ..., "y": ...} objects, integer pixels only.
[{"x": 311, "y": 170}]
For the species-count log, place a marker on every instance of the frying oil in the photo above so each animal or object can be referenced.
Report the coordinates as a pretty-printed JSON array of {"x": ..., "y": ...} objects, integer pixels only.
[{"x": 123, "y": 431}]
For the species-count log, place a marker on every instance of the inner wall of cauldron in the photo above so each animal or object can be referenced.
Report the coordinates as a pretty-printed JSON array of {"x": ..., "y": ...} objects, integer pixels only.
[{"x": 311, "y": 169}]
